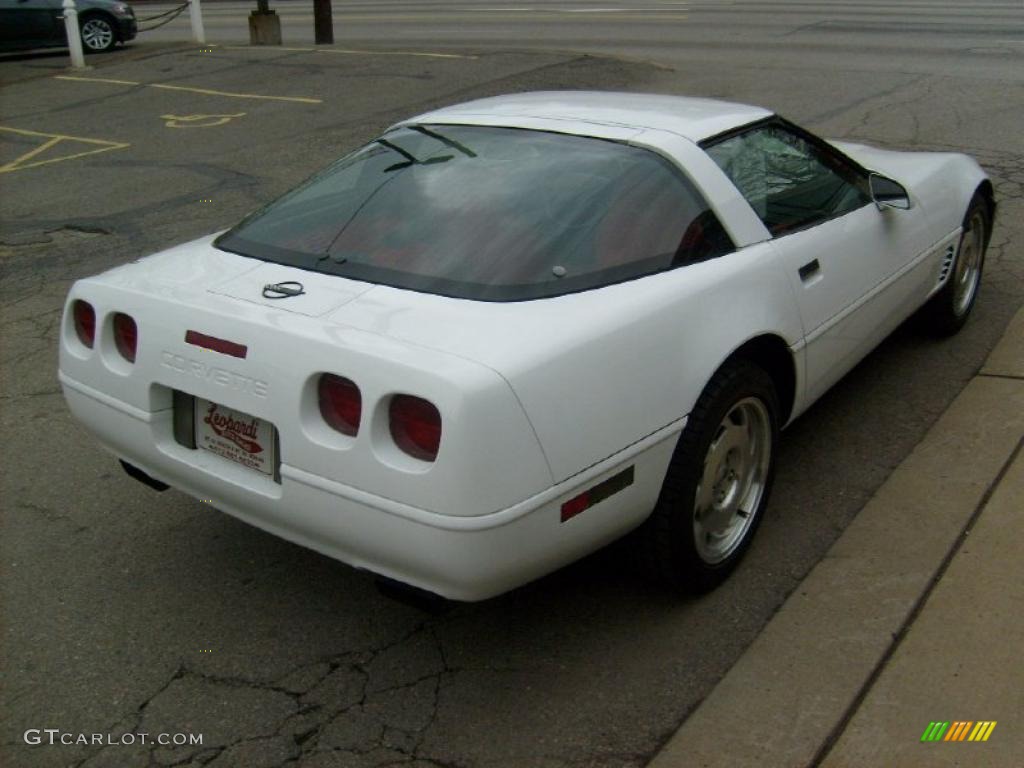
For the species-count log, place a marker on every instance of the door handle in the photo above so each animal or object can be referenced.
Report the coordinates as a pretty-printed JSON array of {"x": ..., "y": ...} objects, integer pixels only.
[{"x": 809, "y": 270}]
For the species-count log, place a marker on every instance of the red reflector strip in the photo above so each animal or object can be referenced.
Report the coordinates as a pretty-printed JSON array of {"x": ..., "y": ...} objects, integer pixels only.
[
  {"x": 575, "y": 505},
  {"x": 216, "y": 345},
  {"x": 597, "y": 494}
]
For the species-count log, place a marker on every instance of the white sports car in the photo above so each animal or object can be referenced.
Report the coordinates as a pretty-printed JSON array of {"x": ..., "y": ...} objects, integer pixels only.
[{"x": 510, "y": 331}]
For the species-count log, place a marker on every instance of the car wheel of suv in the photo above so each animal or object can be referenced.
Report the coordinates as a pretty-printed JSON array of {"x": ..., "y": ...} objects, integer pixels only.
[
  {"x": 718, "y": 481},
  {"x": 98, "y": 34}
]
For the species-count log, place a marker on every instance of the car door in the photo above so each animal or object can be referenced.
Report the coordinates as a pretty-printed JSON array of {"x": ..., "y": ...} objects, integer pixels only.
[
  {"x": 845, "y": 257},
  {"x": 25, "y": 23}
]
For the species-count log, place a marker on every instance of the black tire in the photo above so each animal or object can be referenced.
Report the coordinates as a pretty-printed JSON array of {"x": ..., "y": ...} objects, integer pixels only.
[
  {"x": 668, "y": 540},
  {"x": 98, "y": 33},
  {"x": 947, "y": 311}
]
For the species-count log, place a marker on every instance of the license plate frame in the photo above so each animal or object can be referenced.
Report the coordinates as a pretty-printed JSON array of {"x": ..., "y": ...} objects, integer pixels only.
[{"x": 236, "y": 436}]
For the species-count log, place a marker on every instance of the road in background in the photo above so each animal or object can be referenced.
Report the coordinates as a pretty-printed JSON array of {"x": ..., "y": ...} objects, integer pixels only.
[
  {"x": 129, "y": 610},
  {"x": 953, "y": 37},
  {"x": 945, "y": 70}
]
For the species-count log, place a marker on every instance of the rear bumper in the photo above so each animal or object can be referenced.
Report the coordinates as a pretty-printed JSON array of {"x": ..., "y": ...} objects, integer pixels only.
[{"x": 458, "y": 557}]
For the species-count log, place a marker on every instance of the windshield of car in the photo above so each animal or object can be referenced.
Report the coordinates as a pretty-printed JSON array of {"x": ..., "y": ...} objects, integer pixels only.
[{"x": 479, "y": 212}]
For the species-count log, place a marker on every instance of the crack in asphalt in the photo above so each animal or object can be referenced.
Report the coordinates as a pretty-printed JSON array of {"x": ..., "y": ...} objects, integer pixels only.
[
  {"x": 50, "y": 514},
  {"x": 859, "y": 102},
  {"x": 126, "y": 223},
  {"x": 384, "y": 734},
  {"x": 383, "y": 725}
]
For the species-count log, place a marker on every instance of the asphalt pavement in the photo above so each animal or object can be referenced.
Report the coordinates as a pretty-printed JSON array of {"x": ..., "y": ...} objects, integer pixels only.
[{"x": 128, "y": 611}]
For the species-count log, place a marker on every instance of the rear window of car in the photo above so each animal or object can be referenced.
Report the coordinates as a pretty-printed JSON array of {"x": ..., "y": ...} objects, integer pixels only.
[{"x": 495, "y": 214}]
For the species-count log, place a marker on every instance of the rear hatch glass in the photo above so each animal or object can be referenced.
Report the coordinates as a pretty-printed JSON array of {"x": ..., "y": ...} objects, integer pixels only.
[{"x": 487, "y": 213}]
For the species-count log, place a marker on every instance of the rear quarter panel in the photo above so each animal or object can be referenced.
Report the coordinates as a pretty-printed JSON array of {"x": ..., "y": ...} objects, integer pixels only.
[{"x": 599, "y": 370}]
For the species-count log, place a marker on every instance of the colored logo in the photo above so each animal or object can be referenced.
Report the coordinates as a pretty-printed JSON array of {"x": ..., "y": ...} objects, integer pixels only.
[
  {"x": 959, "y": 730},
  {"x": 244, "y": 434}
]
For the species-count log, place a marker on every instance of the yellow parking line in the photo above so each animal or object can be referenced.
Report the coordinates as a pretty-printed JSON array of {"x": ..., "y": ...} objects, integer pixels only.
[
  {"x": 54, "y": 138},
  {"x": 351, "y": 51},
  {"x": 29, "y": 155},
  {"x": 191, "y": 89},
  {"x": 97, "y": 80},
  {"x": 209, "y": 92},
  {"x": 397, "y": 53}
]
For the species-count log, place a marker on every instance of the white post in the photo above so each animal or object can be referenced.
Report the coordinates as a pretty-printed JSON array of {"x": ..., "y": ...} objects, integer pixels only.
[
  {"x": 74, "y": 37},
  {"x": 196, "y": 14}
]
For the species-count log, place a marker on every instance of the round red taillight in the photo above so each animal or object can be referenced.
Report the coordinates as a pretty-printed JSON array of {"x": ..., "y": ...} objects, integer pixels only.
[
  {"x": 415, "y": 426},
  {"x": 341, "y": 403},
  {"x": 126, "y": 336},
  {"x": 85, "y": 322}
]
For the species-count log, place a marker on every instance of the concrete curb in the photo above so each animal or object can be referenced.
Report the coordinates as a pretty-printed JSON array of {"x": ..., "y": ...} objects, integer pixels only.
[
  {"x": 791, "y": 696},
  {"x": 960, "y": 659}
]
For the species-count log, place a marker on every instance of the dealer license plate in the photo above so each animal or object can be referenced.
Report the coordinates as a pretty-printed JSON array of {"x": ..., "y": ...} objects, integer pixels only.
[{"x": 235, "y": 435}]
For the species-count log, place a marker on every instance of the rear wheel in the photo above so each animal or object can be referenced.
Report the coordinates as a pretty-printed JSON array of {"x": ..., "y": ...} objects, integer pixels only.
[
  {"x": 97, "y": 34},
  {"x": 947, "y": 311},
  {"x": 718, "y": 481}
]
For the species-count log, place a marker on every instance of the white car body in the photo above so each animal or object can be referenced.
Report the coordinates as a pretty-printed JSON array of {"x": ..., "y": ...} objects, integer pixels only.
[{"x": 541, "y": 399}]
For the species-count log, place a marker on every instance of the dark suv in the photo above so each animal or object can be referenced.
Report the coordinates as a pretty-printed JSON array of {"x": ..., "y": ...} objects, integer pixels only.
[{"x": 28, "y": 24}]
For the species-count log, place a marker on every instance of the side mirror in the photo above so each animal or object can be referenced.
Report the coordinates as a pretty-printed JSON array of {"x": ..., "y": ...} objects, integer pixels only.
[{"x": 888, "y": 193}]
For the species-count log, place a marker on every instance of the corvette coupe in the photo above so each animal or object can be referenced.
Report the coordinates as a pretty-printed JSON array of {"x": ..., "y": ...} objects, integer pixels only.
[{"x": 510, "y": 331}]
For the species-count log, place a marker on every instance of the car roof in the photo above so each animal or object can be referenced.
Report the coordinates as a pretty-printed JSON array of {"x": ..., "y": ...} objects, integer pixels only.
[{"x": 693, "y": 118}]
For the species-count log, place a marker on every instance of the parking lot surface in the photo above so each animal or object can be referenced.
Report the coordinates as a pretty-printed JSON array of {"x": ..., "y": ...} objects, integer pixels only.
[{"x": 127, "y": 611}]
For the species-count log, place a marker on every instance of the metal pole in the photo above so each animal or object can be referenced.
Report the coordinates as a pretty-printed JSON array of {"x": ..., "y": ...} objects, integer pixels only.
[
  {"x": 74, "y": 36},
  {"x": 196, "y": 14},
  {"x": 323, "y": 22}
]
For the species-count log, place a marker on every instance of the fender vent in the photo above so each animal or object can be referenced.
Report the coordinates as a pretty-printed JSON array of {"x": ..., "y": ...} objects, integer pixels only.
[{"x": 947, "y": 263}]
